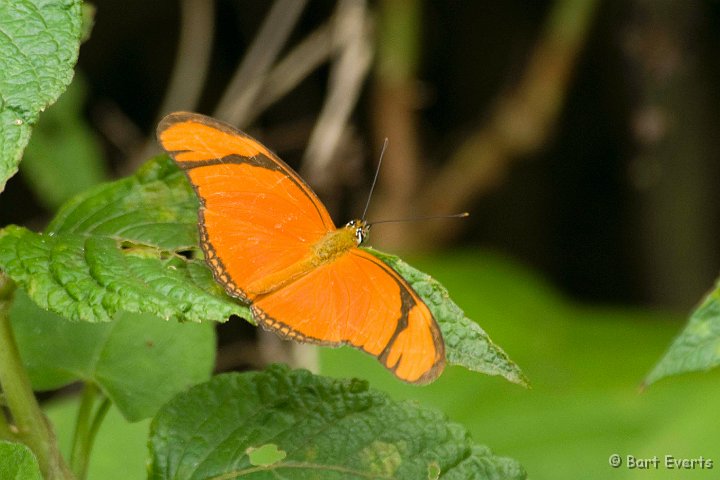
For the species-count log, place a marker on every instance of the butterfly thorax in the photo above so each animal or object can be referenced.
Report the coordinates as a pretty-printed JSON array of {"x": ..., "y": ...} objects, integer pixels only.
[{"x": 339, "y": 241}]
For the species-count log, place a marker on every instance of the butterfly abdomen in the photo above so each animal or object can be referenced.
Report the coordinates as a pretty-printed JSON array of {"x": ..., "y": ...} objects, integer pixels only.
[{"x": 334, "y": 244}]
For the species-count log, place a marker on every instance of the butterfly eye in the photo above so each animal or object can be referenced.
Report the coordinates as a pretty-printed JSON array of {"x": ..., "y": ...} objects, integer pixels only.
[{"x": 362, "y": 230}]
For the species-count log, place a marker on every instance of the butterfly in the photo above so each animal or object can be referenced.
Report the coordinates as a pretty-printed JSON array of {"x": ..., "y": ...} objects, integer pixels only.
[{"x": 271, "y": 243}]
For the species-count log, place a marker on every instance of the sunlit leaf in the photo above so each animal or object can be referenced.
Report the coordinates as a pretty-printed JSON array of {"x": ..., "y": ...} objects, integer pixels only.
[
  {"x": 17, "y": 462},
  {"x": 466, "y": 343},
  {"x": 128, "y": 245},
  {"x": 38, "y": 49},
  {"x": 697, "y": 347}
]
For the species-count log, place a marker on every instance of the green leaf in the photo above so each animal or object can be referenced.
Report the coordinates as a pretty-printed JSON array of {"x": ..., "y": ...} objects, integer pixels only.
[
  {"x": 466, "y": 344},
  {"x": 327, "y": 428},
  {"x": 38, "y": 50},
  {"x": 139, "y": 361},
  {"x": 697, "y": 348},
  {"x": 17, "y": 462},
  {"x": 63, "y": 157},
  {"x": 122, "y": 246}
]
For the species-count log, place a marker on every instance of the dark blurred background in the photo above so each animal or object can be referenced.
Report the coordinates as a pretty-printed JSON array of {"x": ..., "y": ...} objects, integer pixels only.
[{"x": 580, "y": 135}]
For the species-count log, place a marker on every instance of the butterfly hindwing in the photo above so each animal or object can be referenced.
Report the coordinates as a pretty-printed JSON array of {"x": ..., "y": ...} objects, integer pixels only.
[{"x": 360, "y": 301}]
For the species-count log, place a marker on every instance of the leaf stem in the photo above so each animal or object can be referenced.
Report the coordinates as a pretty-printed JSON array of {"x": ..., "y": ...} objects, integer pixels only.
[
  {"x": 86, "y": 429},
  {"x": 32, "y": 428},
  {"x": 5, "y": 432},
  {"x": 97, "y": 421},
  {"x": 78, "y": 462}
]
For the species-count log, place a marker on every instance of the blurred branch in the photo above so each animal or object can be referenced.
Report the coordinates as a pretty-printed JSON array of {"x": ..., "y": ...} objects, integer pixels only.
[
  {"x": 197, "y": 19},
  {"x": 522, "y": 121},
  {"x": 675, "y": 164},
  {"x": 247, "y": 82},
  {"x": 350, "y": 34},
  {"x": 192, "y": 58},
  {"x": 302, "y": 60},
  {"x": 119, "y": 130},
  {"x": 347, "y": 36},
  {"x": 256, "y": 85},
  {"x": 395, "y": 104}
]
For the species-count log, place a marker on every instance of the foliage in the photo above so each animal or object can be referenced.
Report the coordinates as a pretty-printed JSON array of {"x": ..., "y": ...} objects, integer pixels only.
[
  {"x": 40, "y": 41},
  {"x": 123, "y": 251},
  {"x": 120, "y": 247},
  {"x": 17, "y": 462},
  {"x": 124, "y": 358},
  {"x": 585, "y": 363},
  {"x": 697, "y": 347},
  {"x": 309, "y": 427}
]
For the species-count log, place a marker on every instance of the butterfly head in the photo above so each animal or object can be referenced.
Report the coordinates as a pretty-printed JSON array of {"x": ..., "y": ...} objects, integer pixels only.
[{"x": 361, "y": 230}]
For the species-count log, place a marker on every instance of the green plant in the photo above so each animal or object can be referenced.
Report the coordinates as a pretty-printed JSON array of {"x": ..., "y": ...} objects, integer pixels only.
[
  {"x": 115, "y": 294},
  {"x": 697, "y": 347}
]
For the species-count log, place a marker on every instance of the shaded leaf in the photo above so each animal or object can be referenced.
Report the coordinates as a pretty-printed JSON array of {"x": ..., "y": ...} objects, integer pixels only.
[
  {"x": 328, "y": 429},
  {"x": 466, "y": 343},
  {"x": 122, "y": 246},
  {"x": 38, "y": 50},
  {"x": 17, "y": 462},
  {"x": 63, "y": 157},
  {"x": 139, "y": 361},
  {"x": 697, "y": 348}
]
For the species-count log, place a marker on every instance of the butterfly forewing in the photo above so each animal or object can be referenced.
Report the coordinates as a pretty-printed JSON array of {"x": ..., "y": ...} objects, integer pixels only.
[{"x": 256, "y": 215}]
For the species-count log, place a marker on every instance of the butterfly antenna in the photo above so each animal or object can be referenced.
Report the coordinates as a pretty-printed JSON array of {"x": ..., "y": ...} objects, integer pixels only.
[
  {"x": 377, "y": 171},
  {"x": 432, "y": 217}
]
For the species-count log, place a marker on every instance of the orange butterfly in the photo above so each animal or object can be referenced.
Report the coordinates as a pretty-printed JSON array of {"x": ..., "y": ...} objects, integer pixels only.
[{"x": 270, "y": 242}]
